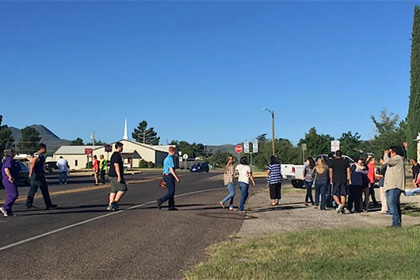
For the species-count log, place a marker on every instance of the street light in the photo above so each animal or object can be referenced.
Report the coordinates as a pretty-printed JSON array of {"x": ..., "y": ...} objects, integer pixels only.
[{"x": 272, "y": 127}]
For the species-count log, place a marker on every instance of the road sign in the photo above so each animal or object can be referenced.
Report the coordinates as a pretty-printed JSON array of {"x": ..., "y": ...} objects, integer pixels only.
[
  {"x": 335, "y": 145},
  {"x": 185, "y": 156},
  {"x": 108, "y": 148},
  {"x": 246, "y": 147},
  {"x": 255, "y": 146},
  {"x": 238, "y": 149},
  {"x": 88, "y": 151}
]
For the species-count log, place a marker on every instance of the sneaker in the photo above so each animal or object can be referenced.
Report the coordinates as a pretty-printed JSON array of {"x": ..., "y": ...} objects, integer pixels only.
[
  {"x": 52, "y": 206},
  {"x": 31, "y": 207},
  {"x": 115, "y": 206},
  {"x": 110, "y": 208},
  {"x": 4, "y": 212},
  {"x": 339, "y": 208},
  {"x": 11, "y": 214}
]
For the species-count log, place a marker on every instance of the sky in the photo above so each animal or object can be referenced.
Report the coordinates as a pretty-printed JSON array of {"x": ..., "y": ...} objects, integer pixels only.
[{"x": 202, "y": 71}]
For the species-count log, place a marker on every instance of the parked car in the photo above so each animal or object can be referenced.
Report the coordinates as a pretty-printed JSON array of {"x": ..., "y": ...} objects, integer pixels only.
[
  {"x": 200, "y": 167},
  {"x": 23, "y": 175},
  {"x": 51, "y": 166}
]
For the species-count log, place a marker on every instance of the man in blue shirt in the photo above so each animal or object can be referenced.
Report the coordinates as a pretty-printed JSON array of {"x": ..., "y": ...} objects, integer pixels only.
[{"x": 169, "y": 176}]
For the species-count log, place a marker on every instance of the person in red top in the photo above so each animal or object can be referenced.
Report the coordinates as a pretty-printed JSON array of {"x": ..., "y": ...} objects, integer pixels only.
[
  {"x": 372, "y": 178},
  {"x": 96, "y": 169}
]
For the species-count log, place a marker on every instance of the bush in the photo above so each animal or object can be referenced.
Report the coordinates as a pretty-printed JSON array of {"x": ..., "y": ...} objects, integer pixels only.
[
  {"x": 150, "y": 164},
  {"x": 143, "y": 164}
]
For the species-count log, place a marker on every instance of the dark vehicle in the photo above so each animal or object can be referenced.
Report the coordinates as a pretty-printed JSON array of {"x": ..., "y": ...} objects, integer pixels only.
[
  {"x": 23, "y": 176},
  {"x": 200, "y": 167},
  {"x": 51, "y": 166}
]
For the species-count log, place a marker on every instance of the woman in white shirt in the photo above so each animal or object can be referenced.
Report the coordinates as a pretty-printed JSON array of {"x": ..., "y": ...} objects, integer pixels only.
[{"x": 245, "y": 174}]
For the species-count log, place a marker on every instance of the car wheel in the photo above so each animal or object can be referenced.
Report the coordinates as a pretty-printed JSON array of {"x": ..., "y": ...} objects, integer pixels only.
[{"x": 297, "y": 184}]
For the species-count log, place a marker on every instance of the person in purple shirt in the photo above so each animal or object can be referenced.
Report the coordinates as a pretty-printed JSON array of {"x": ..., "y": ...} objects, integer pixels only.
[{"x": 10, "y": 171}]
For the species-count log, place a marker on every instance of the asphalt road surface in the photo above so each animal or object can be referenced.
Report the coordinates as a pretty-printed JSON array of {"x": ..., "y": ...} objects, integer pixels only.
[{"x": 81, "y": 240}]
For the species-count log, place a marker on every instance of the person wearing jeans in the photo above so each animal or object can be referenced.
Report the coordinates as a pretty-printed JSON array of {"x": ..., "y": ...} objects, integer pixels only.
[
  {"x": 228, "y": 182},
  {"x": 394, "y": 183},
  {"x": 245, "y": 175},
  {"x": 170, "y": 177},
  {"x": 321, "y": 176},
  {"x": 309, "y": 180}
]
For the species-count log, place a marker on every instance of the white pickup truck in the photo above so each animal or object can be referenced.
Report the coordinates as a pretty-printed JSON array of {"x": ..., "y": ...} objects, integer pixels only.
[{"x": 295, "y": 172}]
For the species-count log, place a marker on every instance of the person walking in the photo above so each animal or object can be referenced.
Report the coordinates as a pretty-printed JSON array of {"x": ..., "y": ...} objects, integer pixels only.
[
  {"x": 372, "y": 178},
  {"x": 358, "y": 175},
  {"x": 37, "y": 175},
  {"x": 96, "y": 169},
  {"x": 63, "y": 168},
  {"x": 116, "y": 177},
  {"x": 321, "y": 175},
  {"x": 309, "y": 180},
  {"x": 228, "y": 182},
  {"x": 245, "y": 175},
  {"x": 102, "y": 168},
  {"x": 10, "y": 171},
  {"x": 394, "y": 183},
  {"x": 339, "y": 176},
  {"x": 170, "y": 177},
  {"x": 274, "y": 180}
]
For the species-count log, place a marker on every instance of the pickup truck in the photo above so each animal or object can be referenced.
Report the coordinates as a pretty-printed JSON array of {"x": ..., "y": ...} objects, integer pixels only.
[{"x": 294, "y": 172}]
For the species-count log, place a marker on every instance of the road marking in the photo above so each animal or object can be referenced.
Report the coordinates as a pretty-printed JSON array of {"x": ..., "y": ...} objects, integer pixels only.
[
  {"x": 94, "y": 219},
  {"x": 86, "y": 189}
]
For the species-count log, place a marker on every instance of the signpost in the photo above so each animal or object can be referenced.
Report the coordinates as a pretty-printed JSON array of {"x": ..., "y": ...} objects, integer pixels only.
[
  {"x": 185, "y": 157},
  {"x": 88, "y": 151},
  {"x": 246, "y": 147},
  {"x": 238, "y": 149},
  {"x": 335, "y": 145},
  {"x": 255, "y": 146}
]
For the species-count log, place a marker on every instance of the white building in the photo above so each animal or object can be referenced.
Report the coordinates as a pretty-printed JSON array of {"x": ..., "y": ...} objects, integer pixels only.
[{"x": 132, "y": 154}]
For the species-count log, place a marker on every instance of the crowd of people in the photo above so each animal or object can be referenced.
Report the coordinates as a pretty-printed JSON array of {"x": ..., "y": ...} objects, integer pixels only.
[
  {"x": 347, "y": 186},
  {"x": 340, "y": 184}
]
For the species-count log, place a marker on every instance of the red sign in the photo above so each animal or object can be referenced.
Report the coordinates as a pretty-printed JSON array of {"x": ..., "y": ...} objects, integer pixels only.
[
  {"x": 108, "y": 148},
  {"x": 238, "y": 149},
  {"x": 88, "y": 151}
]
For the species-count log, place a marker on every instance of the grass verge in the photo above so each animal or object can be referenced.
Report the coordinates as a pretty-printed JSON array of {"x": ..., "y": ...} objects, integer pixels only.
[{"x": 374, "y": 253}]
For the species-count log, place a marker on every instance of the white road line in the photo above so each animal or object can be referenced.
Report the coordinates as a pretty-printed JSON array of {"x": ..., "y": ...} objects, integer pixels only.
[{"x": 92, "y": 220}]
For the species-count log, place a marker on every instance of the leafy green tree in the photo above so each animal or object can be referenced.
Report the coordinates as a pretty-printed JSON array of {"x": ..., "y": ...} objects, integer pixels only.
[
  {"x": 284, "y": 151},
  {"x": 144, "y": 135},
  {"x": 350, "y": 144},
  {"x": 389, "y": 132},
  {"x": 29, "y": 140},
  {"x": 413, "y": 121},
  {"x": 193, "y": 150},
  {"x": 77, "y": 142},
  {"x": 219, "y": 159},
  {"x": 6, "y": 138},
  {"x": 97, "y": 143},
  {"x": 316, "y": 143}
]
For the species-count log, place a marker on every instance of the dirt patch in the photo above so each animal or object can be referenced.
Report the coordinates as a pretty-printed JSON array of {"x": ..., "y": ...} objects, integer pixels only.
[{"x": 293, "y": 215}]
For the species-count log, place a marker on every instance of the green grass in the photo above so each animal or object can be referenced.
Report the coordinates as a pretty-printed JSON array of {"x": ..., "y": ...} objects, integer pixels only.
[{"x": 374, "y": 253}]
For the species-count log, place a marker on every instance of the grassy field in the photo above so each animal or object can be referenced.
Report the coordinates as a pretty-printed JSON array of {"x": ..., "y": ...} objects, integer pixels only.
[{"x": 375, "y": 253}]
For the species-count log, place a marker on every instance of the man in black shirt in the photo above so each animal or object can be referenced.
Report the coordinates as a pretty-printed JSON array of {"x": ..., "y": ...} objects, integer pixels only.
[
  {"x": 339, "y": 175},
  {"x": 116, "y": 177}
]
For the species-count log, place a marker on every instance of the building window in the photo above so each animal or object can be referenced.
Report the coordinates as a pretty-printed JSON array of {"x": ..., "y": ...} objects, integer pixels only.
[{"x": 75, "y": 162}]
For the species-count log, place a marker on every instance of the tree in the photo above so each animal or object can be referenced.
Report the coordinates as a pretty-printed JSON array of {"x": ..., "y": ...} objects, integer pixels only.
[
  {"x": 389, "y": 132},
  {"x": 413, "y": 121},
  {"x": 77, "y": 142},
  {"x": 192, "y": 150},
  {"x": 146, "y": 136},
  {"x": 29, "y": 140},
  {"x": 219, "y": 159},
  {"x": 316, "y": 143},
  {"x": 284, "y": 151},
  {"x": 6, "y": 138},
  {"x": 97, "y": 143},
  {"x": 350, "y": 144}
]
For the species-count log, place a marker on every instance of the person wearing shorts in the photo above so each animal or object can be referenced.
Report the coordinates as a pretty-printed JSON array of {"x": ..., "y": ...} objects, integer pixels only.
[
  {"x": 339, "y": 175},
  {"x": 116, "y": 177}
]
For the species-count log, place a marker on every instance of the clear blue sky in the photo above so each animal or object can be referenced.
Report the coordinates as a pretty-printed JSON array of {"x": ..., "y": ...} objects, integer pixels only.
[{"x": 203, "y": 71}]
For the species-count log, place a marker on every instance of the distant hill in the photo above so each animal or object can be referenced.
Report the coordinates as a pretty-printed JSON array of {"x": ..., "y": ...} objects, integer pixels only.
[
  {"x": 223, "y": 148},
  {"x": 52, "y": 141}
]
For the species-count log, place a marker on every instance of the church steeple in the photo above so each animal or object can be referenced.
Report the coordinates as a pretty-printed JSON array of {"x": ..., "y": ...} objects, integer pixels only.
[{"x": 125, "y": 137}]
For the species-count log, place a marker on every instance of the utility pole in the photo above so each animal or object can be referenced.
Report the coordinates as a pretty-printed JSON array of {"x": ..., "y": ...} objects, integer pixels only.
[{"x": 272, "y": 129}]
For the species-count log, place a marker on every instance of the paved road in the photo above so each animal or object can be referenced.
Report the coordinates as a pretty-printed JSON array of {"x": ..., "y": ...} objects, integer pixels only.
[{"x": 81, "y": 240}]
